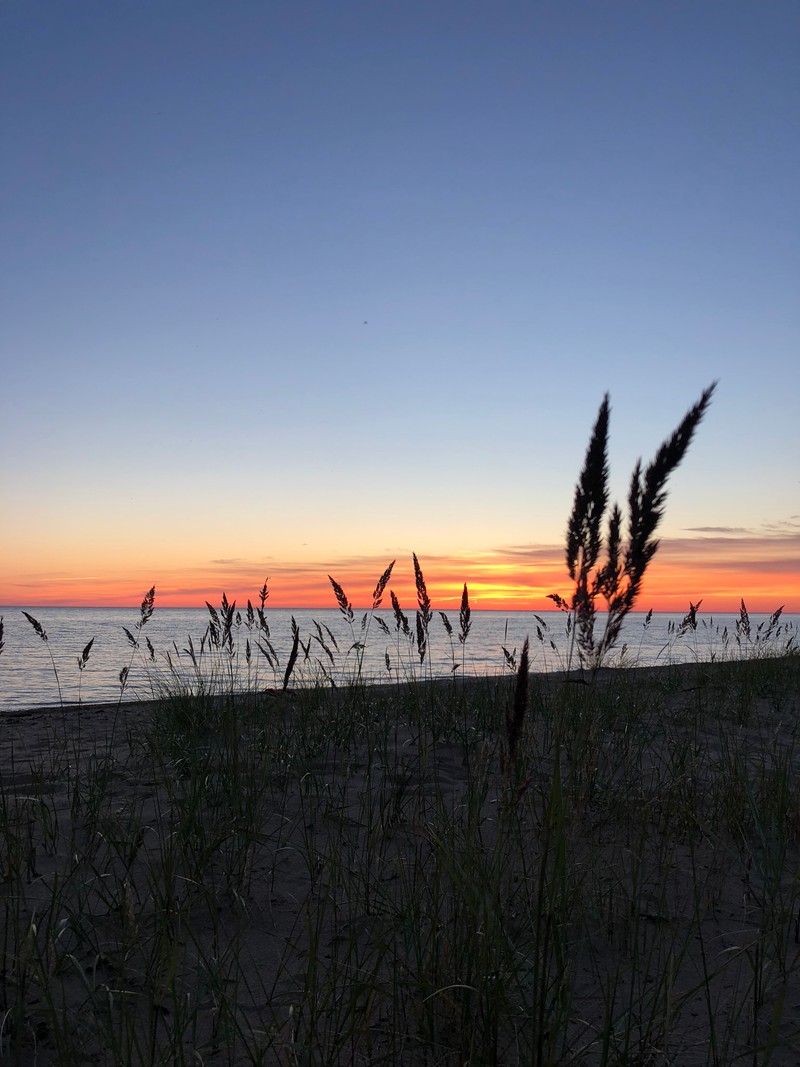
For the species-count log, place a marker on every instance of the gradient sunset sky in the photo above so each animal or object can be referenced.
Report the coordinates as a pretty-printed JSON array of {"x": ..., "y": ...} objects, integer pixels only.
[{"x": 297, "y": 288}]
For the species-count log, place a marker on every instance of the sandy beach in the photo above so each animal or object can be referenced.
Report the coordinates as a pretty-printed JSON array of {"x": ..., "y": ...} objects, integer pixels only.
[{"x": 368, "y": 877}]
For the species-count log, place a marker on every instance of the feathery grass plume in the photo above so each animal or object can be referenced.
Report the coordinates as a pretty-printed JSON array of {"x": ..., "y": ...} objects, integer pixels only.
[
  {"x": 648, "y": 496},
  {"x": 227, "y": 614},
  {"x": 541, "y": 628},
  {"x": 345, "y": 606},
  {"x": 263, "y": 596},
  {"x": 42, "y": 633},
  {"x": 742, "y": 623},
  {"x": 214, "y": 626},
  {"x": 293, "y": 654},
  {"x": 447, "y": 624},
  {"x": 690, "y": 618},
  {"x": 515, "y": 715},
  {"x": 424, "y": 611},
  {"x": 380, "y": 588},
  {"x": 2, "y": 630},
  {"x": 423, "y": 599},
  {"x": 145, "y": 614},
  {"x": 146, "y": 610},
  {"x": 220, "y": 629},
  {"x": 40, "y": 630},
  {"x": 464, "y": 616},
  {"x": 584, "y": 536},
  {"x": 559, "y": 601},
  {"x": 618, "y": 581},
  {"x": 83, "y": 659},
  {"x": 400, "y": 618},
  {"x": 510, "y": 659},
  {"x": 771, "y": 625}
]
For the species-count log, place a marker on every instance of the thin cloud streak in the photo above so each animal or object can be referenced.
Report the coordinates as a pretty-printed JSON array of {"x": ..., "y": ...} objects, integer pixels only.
[
  {"x": 720, "y": 567},
  {"x": 732, "y": 530}
]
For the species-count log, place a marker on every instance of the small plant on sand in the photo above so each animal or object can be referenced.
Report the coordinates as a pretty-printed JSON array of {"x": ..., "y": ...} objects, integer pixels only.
[{"x": 617, "y": 580}]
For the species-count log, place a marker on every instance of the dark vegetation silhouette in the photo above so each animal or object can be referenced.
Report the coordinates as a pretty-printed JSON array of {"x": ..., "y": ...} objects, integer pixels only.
[
  {"x": 513, "y": 872},
  {"x": 602, "y": 567}
]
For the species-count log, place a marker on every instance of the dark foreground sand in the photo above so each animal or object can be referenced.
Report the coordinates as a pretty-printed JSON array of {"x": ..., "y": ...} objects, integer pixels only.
[{"x": 260, "y": 945}]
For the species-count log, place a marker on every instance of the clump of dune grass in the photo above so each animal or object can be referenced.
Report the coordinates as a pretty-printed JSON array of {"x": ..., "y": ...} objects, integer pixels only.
[
  {"x": 359, "y": 643},
  {"x": 299, "y": 877},
  {"x": 617, "y": 580},
  {"x": 518, "y": 872}
]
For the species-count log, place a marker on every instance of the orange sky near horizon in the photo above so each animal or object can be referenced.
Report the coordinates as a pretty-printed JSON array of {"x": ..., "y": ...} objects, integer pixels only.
[
  {"x": 720, "y": 570},
  {"x": 288, "y": 295}
]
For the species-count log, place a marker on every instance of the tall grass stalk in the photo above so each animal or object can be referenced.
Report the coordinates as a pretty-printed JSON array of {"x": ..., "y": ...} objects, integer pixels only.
[
  {"x": 519, "y": 870},
  {"x": 41, "y": 633},
  {"x": 617, "y": 580}
]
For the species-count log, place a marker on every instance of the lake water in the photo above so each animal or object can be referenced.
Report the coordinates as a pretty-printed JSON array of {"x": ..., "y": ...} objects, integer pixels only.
[{"x": 326, "y": 652}]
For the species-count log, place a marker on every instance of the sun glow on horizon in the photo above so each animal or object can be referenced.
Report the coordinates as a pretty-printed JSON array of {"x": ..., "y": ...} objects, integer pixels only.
[{"x": 719, "y": 571}]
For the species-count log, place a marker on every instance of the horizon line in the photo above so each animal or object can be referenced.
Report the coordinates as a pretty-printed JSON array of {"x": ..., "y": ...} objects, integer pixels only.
[{"x": 720, "y": 571}]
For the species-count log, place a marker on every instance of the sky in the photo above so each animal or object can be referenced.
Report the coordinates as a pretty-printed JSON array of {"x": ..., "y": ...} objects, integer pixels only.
[{"x": 291, "y": 289}]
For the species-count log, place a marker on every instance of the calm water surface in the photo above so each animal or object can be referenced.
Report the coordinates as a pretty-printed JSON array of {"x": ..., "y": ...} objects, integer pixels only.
[{"x": 28, "y": 679}]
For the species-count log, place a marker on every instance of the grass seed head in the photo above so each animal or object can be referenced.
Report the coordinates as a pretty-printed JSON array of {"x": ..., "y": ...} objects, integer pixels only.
[
  {"x": 37, "y": 626},
  {"x": 146, "y": 610},
  {"x": 345, "y": 606},
  {"x": 464, "y": 616},
  {"x": 423, "y": 599},
  {"x": 380, "y": 588}
]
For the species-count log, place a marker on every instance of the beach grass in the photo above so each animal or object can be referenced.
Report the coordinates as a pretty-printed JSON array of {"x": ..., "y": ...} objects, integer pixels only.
[
  {"x": 378, "y": 875},
  {"x": 595, "y": 866}
]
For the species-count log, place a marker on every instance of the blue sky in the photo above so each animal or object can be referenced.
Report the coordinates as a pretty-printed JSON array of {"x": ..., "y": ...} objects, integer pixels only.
[{"x": 299, "y": 284}]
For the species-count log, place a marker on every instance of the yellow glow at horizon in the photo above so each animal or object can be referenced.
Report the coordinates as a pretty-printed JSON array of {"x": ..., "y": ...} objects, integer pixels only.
[{"x": 493, "y": 584}]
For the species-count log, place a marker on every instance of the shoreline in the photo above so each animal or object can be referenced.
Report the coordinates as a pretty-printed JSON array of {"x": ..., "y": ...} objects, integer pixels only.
[
  {"x": 458, "y": 684},
  {"x": 349, "y": 841}
]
